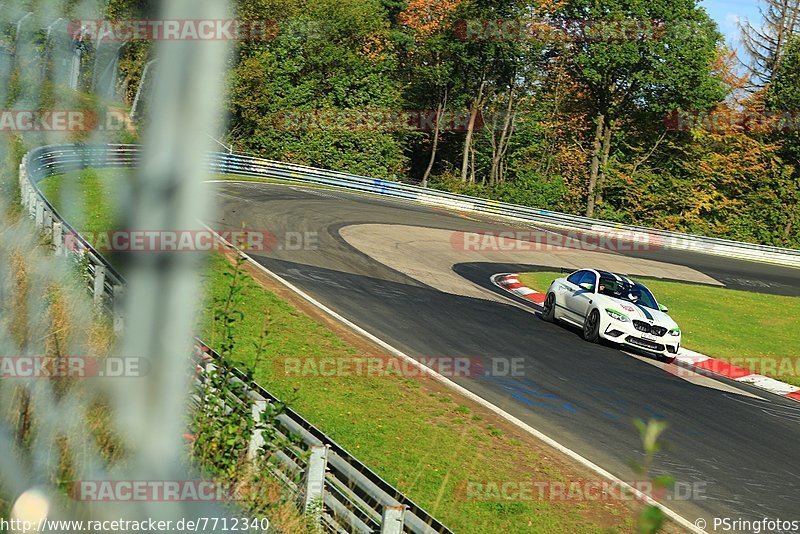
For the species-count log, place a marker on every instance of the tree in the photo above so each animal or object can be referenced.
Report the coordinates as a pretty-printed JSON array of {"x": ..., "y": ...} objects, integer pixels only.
[
  {"x": 766, "y": 42},
  {"x": 783, "y": 95},
  {"x": 667, "y": 66},
  {"x": 302, "y": 96},
  {"x": 427, "y": 62}
]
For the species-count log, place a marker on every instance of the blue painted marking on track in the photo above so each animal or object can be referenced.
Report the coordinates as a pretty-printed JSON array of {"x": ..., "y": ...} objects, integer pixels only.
[
  {"x": 617, "y": 410},
  {"x": 534, "y": 397}
]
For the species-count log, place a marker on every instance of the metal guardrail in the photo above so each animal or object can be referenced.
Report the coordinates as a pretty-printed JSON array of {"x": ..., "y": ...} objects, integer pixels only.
[
  {"x": 126, "y": 155},
  {"x": 354, "y": 498},
  {"x": 252, "y": 166}
]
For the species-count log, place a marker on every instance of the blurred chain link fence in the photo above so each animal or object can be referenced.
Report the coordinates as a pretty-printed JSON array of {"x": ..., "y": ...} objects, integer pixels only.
[{"x": 54, "y": 432}]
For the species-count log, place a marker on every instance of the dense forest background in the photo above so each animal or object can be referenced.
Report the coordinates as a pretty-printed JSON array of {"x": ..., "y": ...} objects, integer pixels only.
[{"x": 627, "y": 110}]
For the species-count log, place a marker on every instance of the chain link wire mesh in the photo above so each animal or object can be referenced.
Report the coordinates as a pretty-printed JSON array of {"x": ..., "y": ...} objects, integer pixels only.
[{"x": 54, "y": 432}]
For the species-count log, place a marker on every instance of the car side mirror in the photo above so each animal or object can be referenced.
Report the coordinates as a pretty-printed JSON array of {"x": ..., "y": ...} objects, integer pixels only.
[
  {"x": 587, "y": 286},
  {"x": 663, "y": 308}
]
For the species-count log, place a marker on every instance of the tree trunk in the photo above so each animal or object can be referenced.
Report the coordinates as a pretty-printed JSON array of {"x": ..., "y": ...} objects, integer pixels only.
[
  {"x": 435, "y": 144},
  {"x": 601, "y": 177},
  {"x": 470, "y": 128},
  {"x": 472, "y": 166},
  {"x": 500, "y": 147},
  {"x": 24, "y": 422},
  {"x": 595, "y": 164}
]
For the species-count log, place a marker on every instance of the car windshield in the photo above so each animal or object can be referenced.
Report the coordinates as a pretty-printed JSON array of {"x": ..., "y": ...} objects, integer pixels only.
[{"x": 635, "y": 292}]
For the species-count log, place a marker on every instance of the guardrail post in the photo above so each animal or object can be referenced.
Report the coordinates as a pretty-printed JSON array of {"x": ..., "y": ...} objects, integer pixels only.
[
  {"x": 23, "y": 192},
  {"x": 315, "y": 480},
  {"x": 393, "y": 519},
  {"x": 58, "y": 238},
  {"x": 257, "y": 439},
  {"x": 99, "y": 283},
  {"x": 32, "y": 202},
  {"x": 48, "y": 223},
  {"x": 23, "y": 178},
  {"x": 39, "y": 213},
  {"x": 118, "y": 308}
]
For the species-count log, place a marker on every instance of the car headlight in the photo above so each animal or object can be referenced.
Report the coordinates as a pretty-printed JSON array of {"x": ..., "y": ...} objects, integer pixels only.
[
  {"x": 675, "y": 332},
  {"x": 614, "y": 314}
]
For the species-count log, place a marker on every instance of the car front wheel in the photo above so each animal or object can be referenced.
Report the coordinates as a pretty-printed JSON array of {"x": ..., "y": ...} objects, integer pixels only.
[
  {"x": 591, "y": 327},
  {"x": 549, "y": 308}
]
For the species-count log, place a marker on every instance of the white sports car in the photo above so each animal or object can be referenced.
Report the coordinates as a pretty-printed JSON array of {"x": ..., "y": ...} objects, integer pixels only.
[{"x": 613, "y": 307}]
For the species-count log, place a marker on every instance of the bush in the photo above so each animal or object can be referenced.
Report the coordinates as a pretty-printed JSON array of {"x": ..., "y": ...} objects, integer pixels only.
[{"x": 530, "y": 189}]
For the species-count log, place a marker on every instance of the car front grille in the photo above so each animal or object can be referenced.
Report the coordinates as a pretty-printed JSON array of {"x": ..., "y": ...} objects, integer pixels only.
[
  {"x": 645, "y": 344},
  {"x": 647, "y": 328}
]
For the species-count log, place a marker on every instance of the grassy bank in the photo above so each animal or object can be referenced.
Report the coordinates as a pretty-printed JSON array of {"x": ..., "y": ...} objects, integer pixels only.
[
  {"x": 411, "y": 431},
  {"x": 724, "y": 323}
]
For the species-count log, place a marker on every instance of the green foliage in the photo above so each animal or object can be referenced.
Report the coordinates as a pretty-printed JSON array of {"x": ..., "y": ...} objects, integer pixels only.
[
  {"x": 651, "y": 519},
  {"x": 784, "y": 96},
  {"x": 221, "y": 426},
  {"x": 530, "y": 189},
  {"x": 784, "y": 93},
  {"x": 331, "y": 56}
]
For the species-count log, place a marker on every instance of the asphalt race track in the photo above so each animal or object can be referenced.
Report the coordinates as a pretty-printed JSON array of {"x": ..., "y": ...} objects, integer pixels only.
[{"x": 742, "y": 450}]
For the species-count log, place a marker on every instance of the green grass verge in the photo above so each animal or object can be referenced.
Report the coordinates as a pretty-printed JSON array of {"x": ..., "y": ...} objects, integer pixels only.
[
  {"x": 724, "y": 323},
  {"x": 415, "y": 435}
]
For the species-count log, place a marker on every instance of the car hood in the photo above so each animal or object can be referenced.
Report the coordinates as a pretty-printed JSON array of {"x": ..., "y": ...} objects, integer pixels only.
[{"x": 641, "y": 313}]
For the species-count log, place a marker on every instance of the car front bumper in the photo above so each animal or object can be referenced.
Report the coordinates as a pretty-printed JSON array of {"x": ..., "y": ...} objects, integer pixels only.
[{"x": 626, "y": 334}]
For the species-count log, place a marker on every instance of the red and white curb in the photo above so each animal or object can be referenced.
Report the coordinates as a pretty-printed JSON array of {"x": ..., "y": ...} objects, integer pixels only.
[
  {"x": 511, "y": 283},
  {"x": 690, "y": 359},
  {"x": 700, "y": 362}
]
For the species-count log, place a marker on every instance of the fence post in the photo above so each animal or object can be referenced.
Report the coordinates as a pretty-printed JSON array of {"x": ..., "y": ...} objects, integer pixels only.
[
  {"x": 315, "y": 480},
  {"x": 118, "y": 308},
  {"x": 393, "y": 519},
  {"x": 32, "y": 202},
  {"x": 23, "y": 190},
  {"x": 99, "y": 283},
  {"x": 39, "y": 213},
  {"x": 23, "y": 178},
  {"x": 48, "y": 224},
  {"x": 257, "y": 439},
  {"x": 58, "y": 237}
]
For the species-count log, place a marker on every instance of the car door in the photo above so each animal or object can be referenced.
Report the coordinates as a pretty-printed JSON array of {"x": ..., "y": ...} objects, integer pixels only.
[
  {"x": 563, "y": 289},
  {"x": 578, "y": 301}
]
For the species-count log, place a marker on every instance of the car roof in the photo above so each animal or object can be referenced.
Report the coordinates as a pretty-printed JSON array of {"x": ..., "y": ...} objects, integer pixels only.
[
  {"x": 609, "y": 274},
  {"x": 615, "y": 276}
]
